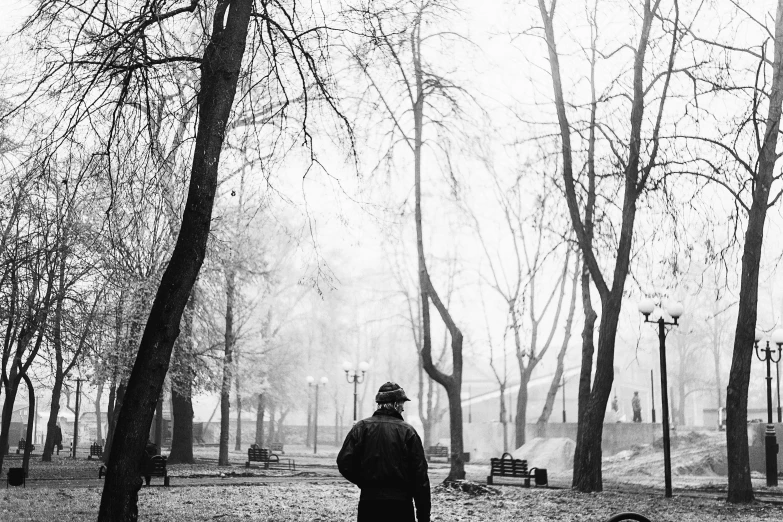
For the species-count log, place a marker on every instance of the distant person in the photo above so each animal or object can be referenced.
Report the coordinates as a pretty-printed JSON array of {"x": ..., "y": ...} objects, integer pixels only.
[
  {"x": 383, "y": 455},
  {"x": 636, "y": 404},
  {"x": 58, "y": 438}
]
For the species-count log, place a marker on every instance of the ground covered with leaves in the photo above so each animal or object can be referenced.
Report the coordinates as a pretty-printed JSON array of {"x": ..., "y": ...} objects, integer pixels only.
[{"x": 291, "y": 501}]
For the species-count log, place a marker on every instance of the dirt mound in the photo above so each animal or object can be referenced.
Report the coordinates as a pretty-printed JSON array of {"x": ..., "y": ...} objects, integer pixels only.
[
  {"x": 692, "y": 453},
  {"x": 556, "y": 454},
  {"x": 687, "y": 439}
]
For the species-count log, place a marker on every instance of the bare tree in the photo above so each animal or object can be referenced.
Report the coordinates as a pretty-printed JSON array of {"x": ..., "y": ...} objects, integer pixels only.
[
  {"x": 400, "y": 36},
  {"x": 634, "y": 170},
  {"x": 127, "y": 52}
]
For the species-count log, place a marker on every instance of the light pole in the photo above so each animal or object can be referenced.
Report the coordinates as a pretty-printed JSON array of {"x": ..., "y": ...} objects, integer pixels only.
[
  {"x": 777, "y": 381},
  {"x": 770, "y": 440},
  {"x": 647, "y": 307},
  {"x": 564, "y": 413},
  {"x": 652, "y": 394},
  {"x": 353, "y": 376},
  {"x": 311, "y": 382}
]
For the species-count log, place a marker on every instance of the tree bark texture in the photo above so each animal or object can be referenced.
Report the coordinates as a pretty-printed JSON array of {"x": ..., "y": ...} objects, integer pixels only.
[
  {"x": 520, "y": 420},
  {"x": 228, "y": 366},
  {"x": 98, "y": 414},
  {"x": 182, "y": 390},
  {"x": 115, "y": 408},
  {"x": 182, "y": 432},
  {"x": 740, "y": 487},
  {"x": 219, "y": 75},
  {"x": 238, "y": 442},
  {"x": 592, "y": 401},
  {"x": 51, "y": 424}
]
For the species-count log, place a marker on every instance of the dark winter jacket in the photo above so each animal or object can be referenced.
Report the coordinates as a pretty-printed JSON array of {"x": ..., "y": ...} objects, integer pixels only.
[{"x": 383, "y": 455}]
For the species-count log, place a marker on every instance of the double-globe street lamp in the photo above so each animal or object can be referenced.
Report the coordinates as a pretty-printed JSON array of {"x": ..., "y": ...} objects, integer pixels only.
[
  {"x": 355, "y": 377},
  {"x": 770, "y": 440},
  {"x": 674, "y": 310},
  {"x": 311, "y": 382}
]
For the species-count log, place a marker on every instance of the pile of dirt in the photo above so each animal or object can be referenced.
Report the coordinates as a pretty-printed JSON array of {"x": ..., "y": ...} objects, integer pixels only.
[
  {"x": 692, "y": 453},
  {"x": 555, "y": 454},
  {"x": 686, "y": 439}
]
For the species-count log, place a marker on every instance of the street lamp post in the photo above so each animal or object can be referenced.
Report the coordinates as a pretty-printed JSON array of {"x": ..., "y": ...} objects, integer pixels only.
[
  {"x": 564, "y": 412},
  {"x": 647, "y": 307},
  {"x": 777, "y": 381},
  {"x": 311, "y": 382},
  {"x": 770, "y": 440},
  {"x": 354, "y": 377}
]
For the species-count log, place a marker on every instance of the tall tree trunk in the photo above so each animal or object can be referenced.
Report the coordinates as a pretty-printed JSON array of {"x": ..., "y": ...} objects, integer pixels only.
[
  {"x": 260, "y": 419},
  {"x": 555, "y": 384},
  {"x": 11, "y": 388},
  {"x": 452, "y": 383},
  {"x": 219, "y": 75},
  {"x": 182, "y": 390},
  {"x": 225, "y": 390},
  {"x": 504, "y": 415},
  {"x": 716, "y": 362},
  {"x": 98, "y": 414},
  {"x": 272, "y": 423},
  {"x": 182, "y": 416},
  {"x": 520, "y": 422},
  {"x": 51, "y": 424},
  {"x": 159, "y": 424},
  {"x": 280, "y": 434},
  {"x": 592, "y": 401},
  {"x": 740, "y": 487},
  {"x": 120, "y": 396},
  {"x": 238, "y": 442}
]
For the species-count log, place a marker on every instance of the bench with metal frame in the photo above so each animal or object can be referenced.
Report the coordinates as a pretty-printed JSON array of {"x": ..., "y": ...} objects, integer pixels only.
[
  {"x": 154, "y": 466},
  {"x": 437, "y": 452},
  {"x": 255, "y": 453},
  {"x": 514, "y": 472},
  {"x": 96, "y": 450},
  {"x": 22, "y": 445}
]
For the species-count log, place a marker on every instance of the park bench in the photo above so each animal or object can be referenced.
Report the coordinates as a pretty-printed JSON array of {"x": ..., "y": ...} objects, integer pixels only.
[
  {"x": 96, "y": 450},
  {"x": 22, "y": 445},
  {"x": 514, "y": 472},
  {"x": 437, "y": 452},
  {"x": 155, "y": 466},
  {"x": 255, "y": 453},
  {"x": 152, "y": 466},
  {"x": 276, "y": 447}
]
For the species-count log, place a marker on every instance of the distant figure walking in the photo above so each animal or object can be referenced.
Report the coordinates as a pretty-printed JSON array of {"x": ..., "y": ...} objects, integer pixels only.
[
  {"x": 636, "y": 404},
  {"x": 58, "y": 438}
]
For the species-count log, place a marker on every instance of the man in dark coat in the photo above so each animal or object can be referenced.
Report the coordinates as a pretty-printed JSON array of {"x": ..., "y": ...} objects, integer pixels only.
[{"x": 383, "y": 455}]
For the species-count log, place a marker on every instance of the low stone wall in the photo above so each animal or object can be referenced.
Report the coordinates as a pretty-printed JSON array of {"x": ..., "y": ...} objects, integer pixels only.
[
  {"x": 485, "y": 440},
  {"x": 757, "y": 450}
]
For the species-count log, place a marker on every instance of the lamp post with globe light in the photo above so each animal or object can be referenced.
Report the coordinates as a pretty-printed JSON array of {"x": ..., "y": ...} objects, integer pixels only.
[
  {"x": 770, "y": 440},
  {"x": 674, "y": 310},
  {"x": 353, "y": 376},
  {"x": 311, "y": 382}
]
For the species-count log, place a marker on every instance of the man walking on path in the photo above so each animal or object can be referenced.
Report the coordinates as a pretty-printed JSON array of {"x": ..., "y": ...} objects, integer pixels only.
[
  {"x": 383, "y": 455},
  {"x": 636, "y": 403}
]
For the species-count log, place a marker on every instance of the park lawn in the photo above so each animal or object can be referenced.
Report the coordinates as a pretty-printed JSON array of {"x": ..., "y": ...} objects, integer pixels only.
[{"x": 291, "y": 501}]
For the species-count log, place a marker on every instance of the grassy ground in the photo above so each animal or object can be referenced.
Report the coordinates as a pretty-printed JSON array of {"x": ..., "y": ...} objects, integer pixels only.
[
  {"x": 337, "y": 502},
  {"x": 322, "y": 496}
]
